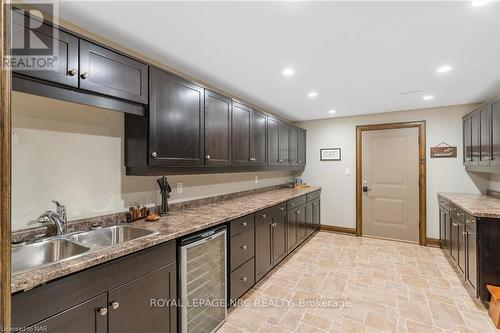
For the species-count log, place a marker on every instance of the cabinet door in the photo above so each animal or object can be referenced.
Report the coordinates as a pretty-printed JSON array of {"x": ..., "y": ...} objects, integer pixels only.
[
  {"x": 65, "y": 68},
  {"x": 241, "y": 134},
  {"x": 316, "y": 213},
  {"x": 279, "y": 238},
  {"x": 217, "y": 129},
  {"x": 293, "y": 151},
  {"x": 467, "y": 135},
  {"x": 475, "y": 131},
  {"x": 284, "y": 143},
  {"x": 471, "y": 246},
  {"x": 461, "y": 247},
  {"x": 263, "y": 245},
  {"x": 176, "y": 123},
  {"x": 82, "y": 318},
  {"x": 301, "y": 223},
  {"x": 301, "y": 147},
  {"x": 454, "y": 239},
  {"x": 106, "y": 72},
  {"x": 292, "y": 229},
  {"x": 495, "y": 131},
  {"x": 309, "y": 218},
  {"x": 141, "y": 303},
  {"x": 447, "y": 243},
  {"x": 273, "y": 142},
  {"x": 259, "y": 139},
  {"x": 442, "y": 227},
  {"x": 485, "y": 135}
]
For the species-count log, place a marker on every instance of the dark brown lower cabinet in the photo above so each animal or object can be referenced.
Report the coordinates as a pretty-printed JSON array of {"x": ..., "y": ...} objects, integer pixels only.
[
  {"x": 130, "y": 305},
  {"x": 454, "y": 236},
  {"x": 461, "y": 247},
  {"x": 471, "y": 253},
  {"x": 292, "y": 226},
  {"x": 82, "y": 318},
  {"x": 133, "y": 292},
  {"x": 279, "y": 237},
  {"x": 316, "y": 205}
]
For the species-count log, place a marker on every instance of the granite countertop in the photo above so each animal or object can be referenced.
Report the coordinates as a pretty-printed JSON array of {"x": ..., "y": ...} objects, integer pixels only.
[
  {"x": 478, "y": 205},
  {"x": 174, "y": 225}
]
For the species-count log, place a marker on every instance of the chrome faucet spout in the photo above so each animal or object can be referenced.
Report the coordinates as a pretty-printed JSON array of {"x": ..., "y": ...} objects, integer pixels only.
[{"x": 58, "y": 218}]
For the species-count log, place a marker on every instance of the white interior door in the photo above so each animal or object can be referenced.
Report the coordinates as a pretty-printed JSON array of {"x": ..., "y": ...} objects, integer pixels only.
[{"x": 390, "y": 204}]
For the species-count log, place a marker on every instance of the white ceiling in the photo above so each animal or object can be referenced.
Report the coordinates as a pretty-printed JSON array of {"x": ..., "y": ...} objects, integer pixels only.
[{"x": 358, "y": 56}]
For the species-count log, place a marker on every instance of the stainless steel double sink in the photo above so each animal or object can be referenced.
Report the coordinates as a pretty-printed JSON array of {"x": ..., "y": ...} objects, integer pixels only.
[{"x": 70, "y": 246}]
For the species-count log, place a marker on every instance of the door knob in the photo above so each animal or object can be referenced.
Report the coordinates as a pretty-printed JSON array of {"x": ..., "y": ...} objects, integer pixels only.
[
  {"x": 115, "y": 305},
  {"x": 72, "y": 72},
  {"x": 102, "y": 311},
  {"x": 84, "y": 75}
]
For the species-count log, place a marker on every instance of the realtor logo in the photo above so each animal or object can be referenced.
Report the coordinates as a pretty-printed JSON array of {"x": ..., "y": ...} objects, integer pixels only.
[{"x": 34, "y": 39}]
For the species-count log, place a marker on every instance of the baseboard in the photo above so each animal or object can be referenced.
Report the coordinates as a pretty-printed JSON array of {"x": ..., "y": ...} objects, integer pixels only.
[
  {"x": 433, "y": 242},
  {"x": 332, "y": 228}
]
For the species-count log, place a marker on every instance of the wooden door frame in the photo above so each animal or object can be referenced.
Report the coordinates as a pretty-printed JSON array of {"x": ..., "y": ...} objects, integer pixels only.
[
  {"x": 422, "y": 191},
  {"x": 5, "y": 169}
]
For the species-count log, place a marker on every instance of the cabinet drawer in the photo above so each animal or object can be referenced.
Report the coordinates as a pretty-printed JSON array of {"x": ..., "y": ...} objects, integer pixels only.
[
  {"x": 291, "y": 204},
  {"x": 269, "y": 213},
  {"x": 242, "y": 224},
  {"x": 470, "y": 222},
  {"x": 457, "y": 212},
  {"x": 242, "y": 248},
  {"x": 313, "y": 196},
  {"x": 242, "y": 279}
]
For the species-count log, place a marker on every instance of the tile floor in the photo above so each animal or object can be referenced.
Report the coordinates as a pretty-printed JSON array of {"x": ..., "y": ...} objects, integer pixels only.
[{"x": 338, "y": 283}]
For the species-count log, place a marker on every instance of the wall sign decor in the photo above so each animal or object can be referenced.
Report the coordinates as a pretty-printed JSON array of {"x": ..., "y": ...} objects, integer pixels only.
[
  {"x": 443, "y": 150},
  {"x": 330, "y": 154}
]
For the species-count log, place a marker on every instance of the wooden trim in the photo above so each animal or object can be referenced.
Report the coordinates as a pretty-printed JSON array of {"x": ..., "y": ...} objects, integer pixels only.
[
  {"x": 433, "y": 242},
  {"x": 5, "y": 170},
  {"x": 422, "y": 219},
  {"x": 335, "y": 229}
]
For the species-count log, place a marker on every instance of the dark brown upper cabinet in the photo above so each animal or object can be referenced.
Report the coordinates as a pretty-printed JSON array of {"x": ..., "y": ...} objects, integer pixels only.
[
  {"x": 475, "y": 121},
  {"x": 301, "y": 147},
  {"x": 258, "y": 142},
  {"x": 241, "y": 126},
  {"x": 106, "y": 72},
  {"x": 467, "y": 137},
  {"x": 485, "y": 135},
  {"x": 176, "y": 121},
  {"x": 284, "y": 143},
  {"x": 495, "y": 131},
  {"x": 293, "y": 152},
  {"x": 65, "y": 70},
  {"x": 273, "y": 155},
  {"x": 217, "y": 129}
]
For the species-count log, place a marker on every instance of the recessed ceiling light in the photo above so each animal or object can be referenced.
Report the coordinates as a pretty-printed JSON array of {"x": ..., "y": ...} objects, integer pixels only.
[
  {"x": 288, "y": 71},
  {"x": 444, "y": 69},
  {"x": 332, "y": 111},
  {"x": 427, "y": 97},
  {"x": 312, "y": 94},
  {"x": 480, "y": 3}
]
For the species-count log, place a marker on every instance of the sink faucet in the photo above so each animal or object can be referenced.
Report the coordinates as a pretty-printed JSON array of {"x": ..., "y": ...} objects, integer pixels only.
[{"x": 59, "y": 218}]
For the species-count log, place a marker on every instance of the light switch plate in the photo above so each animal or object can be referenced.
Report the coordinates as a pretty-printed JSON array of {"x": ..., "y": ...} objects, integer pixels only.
[{"x": 347, "y": 172}]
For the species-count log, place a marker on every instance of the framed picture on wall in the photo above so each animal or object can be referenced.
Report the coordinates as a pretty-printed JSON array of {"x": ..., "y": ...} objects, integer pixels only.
[{"x": 330, "y": 154}]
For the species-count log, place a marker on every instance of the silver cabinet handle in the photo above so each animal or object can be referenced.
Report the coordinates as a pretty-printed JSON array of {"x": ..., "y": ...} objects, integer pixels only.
[
  {"x": 207, "y": 157},
  {"x": 469, "y": 221},
  {"x": 72, "y": 72},
  {"x": 455, "y": 224},
  {"x": 263, "y": 216},
  {"x": 280, "y": 160},
  {"x": 154, "y": 154},
  {"x": 244, "y": 279},
  {"x": 274, "y": 225},
  {"x": 298, "y": 212},
  {"x": 299, "y": 161},
  {"x": 84, "y": 75},
  {"x": 314, "y": 203},
  {"x": 102, "y": 311},
  {"x": 115, "y": 305},
  {"x": 243, "y": 247},
  {"x": 282, "y": 208},
  {"x": 464, "y": 233},
  {"x": 244, "y": 224}
]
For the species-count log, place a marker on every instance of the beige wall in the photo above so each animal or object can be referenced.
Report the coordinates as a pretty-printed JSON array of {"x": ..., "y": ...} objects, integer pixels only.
[
  {"x": 443, "y": 175},
  {"x": 74, "y": 153}
]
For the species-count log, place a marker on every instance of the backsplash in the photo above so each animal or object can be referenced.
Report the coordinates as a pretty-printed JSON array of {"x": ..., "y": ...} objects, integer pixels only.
[{"x": 74, "y": 154}]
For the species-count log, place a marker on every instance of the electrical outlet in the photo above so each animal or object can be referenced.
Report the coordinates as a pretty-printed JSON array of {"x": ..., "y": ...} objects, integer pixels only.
[
  {"x": 347, "y": 172},
  {"x": 256, "y": 179},
  {"x": 179, "y": 188}
]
